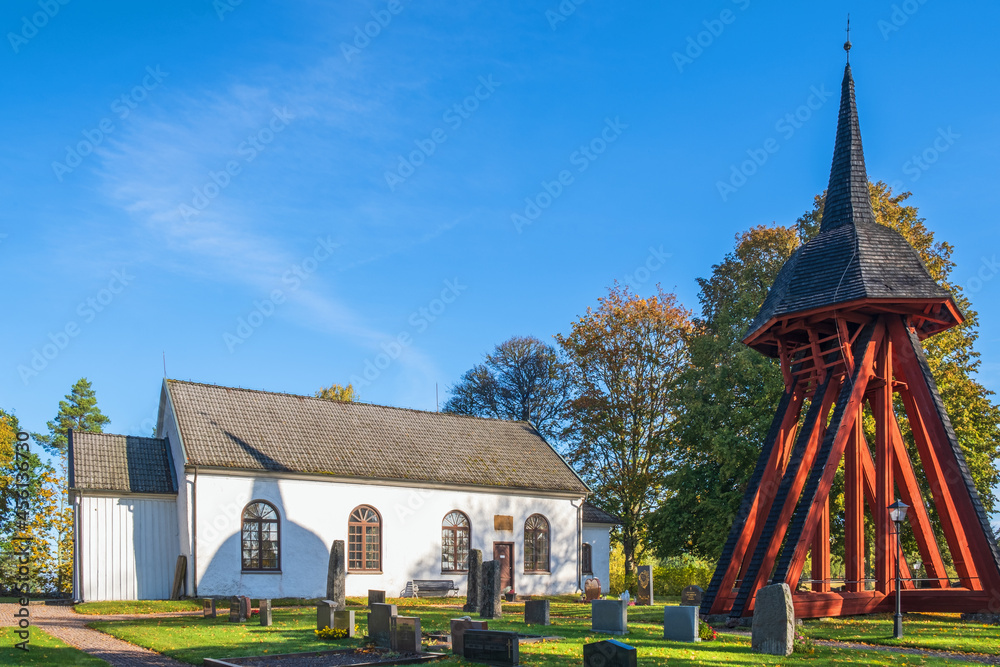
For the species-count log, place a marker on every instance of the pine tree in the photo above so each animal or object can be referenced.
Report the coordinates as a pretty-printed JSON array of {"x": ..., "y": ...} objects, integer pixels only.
[{"x": 78, "y": 412}]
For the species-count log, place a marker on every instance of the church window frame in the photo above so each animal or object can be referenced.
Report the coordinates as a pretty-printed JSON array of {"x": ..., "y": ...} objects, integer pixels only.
[
  {"x": 537, "y": 544},
  {"x": 364, "y": 540},
  {"x": 456, "y": 541},
  {"x": 260, "y": 537}
]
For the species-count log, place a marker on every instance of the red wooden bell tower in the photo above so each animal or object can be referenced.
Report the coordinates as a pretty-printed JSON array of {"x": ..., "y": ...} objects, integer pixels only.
[{"x": 845, "y": 317}]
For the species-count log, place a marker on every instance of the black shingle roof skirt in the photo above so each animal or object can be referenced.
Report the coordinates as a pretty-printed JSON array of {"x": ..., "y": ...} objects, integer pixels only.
[
  {"x": 853, "y": 257},
  {"x": 109, "y": 462}
]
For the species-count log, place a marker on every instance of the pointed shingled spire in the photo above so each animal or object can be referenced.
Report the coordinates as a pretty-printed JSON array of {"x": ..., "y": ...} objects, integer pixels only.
[{"x": 847, "y": 199}]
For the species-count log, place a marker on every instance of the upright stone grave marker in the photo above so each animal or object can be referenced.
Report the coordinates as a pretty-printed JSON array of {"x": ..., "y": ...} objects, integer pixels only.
[
  {"x": 265, "y": 612},
  {"x": 491, "y": 606},
  {"x": 691, "y": 596},
  {"x": 592, "y": 589},
  {"x": 773, "y": 621},
  {"x": 536, "y": 612},
  {"x": 380, "y": 624},
  {"x": 344, "y": 620},
  {"x": 609, "y": 653},
  {"x": 644, "y": 593},
  {"x": 208, "y": 608},
  {"x": 245, "y": 607},
  {"x": 680, "y": 624},
  {"x": 375, "y": 597},
  {"x": 458, "y": 628},
  {"x": 235, "y": 605},
  {"x": 491, "y": 647},
  {"x": 406, "y": 634},
  {"x": 324, "y": 614},
  {"x": 336, "y": 575},
  {"x": 474, "y": 585},
  {"x": 609, "y": 616}
]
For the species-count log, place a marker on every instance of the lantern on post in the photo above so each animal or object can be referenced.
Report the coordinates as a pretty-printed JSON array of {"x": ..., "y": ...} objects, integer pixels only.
[{"x": 897, "y": 514}]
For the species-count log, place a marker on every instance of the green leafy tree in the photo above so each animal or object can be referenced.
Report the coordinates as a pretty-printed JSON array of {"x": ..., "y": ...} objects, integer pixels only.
[
  {"x": 78, "y": 412},
  {"x": 626, "y": 357},
  {"x": 522, "y": 379},
  {"x": 336, "y": 392},
  {"x": 729, "y": 392}
]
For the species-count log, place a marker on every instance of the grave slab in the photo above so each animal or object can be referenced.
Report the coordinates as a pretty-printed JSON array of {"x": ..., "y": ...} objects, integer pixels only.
[
  {"x": 491, "y": 647},
  {"x": 692, "y": 595},
  {"x": 380, "y": 624},
  {"x": 536, "y": 612},
  {"x": 324, "y": 614},
  {"x": 406, "y": 633},
  {"x": 609, "y": 653},
  {"x": 265, "y": 612},
  {"x": 458, "y": 628},
  {"x": 609, "y": 616},
  {"x": 208, "y": 608},
  {"x": 644, "y": 592},
  {"x": 376, "y": 597},
  {"x": 474, "y": 583},
  {"x": 773, "y": 631},
  {"x": 344, "y": 620},
  {"x": 336, "y": 575}
]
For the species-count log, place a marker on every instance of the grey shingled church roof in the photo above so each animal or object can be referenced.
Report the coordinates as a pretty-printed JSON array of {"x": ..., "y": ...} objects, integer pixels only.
[
  {"x": 852, "y": 257},
  {"x": 106, "y": 462},
  {"x": 257, "y": 430},
  {"x": 594, "y": 514}
]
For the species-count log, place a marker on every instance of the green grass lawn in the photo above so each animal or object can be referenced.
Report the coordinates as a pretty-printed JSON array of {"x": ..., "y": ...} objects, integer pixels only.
[
  {"x": 43, "y": 649},
  {"x": 137, "y": 606},
  {"x": 192, "y": 639},
  {"x": 944, "y": 632}
]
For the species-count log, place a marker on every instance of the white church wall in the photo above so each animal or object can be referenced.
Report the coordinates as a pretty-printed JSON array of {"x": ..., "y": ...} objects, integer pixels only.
[
  {"x": 128, "y": 547},
  {"x": 315, "y": 513},
  {"x": 598, "y": 536},
  {"x": 167, "y": 428}
]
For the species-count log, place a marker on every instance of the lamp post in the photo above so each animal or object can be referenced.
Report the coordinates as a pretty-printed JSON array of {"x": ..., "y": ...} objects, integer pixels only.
[{"x": 897, "y": 514}]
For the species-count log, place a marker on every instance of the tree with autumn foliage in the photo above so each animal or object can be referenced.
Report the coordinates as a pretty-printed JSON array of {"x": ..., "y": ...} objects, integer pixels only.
[
  {"x": 731, "y": 391},
  {"x": 625, "y": 360},
  {"x": 336, "y": 392}
]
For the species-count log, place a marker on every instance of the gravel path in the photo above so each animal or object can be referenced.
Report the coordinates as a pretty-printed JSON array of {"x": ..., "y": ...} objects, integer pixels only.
[{"x": 62, "y": 622}]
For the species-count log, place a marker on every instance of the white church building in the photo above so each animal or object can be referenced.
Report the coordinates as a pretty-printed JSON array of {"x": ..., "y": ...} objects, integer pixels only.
[{"x": 252, "y": 488}]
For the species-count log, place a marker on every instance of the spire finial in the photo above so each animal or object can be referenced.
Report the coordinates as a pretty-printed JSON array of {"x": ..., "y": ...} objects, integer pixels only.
[{"x": 847, "y": 44}]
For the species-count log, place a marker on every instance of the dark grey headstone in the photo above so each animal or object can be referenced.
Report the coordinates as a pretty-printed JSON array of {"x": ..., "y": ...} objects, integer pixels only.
[
  {"x": 458, "y": 628},
  {"x": 474, "y": 583},
  {"x": 680, "y": 624},
  {"x": 380, "y": 624},
  {"x": 406, "y": 634},
  {"x": 609, "y": 653},
  {"x": 691, "y": 596},
  {"x": 324, "y": 614},
  {"x": 491, "y": 606},
  {"x": 265, "y": 612},
  {"x": 491, "y": 647},
  {"x": 773, "y": 621},
  {"x": 376, "y": 597},
  {"x": 208, "y": 608},
  {"x": 344, "y": 620},
  {"x": 609, "y": 616},
  {"x": 644, "y": 591},
  {"x": 336, "y": 575},
  {"x": 592, "y": 589},
  {"x": 239, "y": 609},
  {"x": 536, "y": 612}
]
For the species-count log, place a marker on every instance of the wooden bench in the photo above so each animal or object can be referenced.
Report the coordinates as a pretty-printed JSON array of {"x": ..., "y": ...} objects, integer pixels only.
[{"x": 424, "y": 588}]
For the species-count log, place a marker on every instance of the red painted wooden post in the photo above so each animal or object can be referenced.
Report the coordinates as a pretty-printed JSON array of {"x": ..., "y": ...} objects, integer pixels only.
[
  {"x": 854, "y": 511},
  {"x": 881, "y": 405}
]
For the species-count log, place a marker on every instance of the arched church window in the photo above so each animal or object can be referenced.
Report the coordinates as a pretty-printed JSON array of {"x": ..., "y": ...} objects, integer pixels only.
[
  {"x": 364, "y": 540},
  {"x": 455, "y": 538},
  {"x": 261, "y": 537},
  {"x": 536, "y": 544}
]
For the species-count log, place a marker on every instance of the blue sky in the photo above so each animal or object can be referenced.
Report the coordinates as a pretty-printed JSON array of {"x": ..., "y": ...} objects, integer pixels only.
[{"x": 272, "y": 198}]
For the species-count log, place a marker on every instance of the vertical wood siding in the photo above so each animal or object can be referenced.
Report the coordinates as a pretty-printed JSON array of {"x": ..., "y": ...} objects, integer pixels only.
[{"x": 128, "y": 548}]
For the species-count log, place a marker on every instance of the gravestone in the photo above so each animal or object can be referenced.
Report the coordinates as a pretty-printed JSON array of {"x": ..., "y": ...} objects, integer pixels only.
[
  {"x": 344, "y": 620},
  {"x": 265, "y": 612},
  {"x": 491, "y": 647},
  {"x": 644, "y": 592},
  {"x": 324, "y": 614},
  {"x": 536, "y": 612},
  {"x": 680, "y": 624},
  {"x": 208, "y": 608},
  {"x": 239, "y": 609},
  {"x": 375, "y": 597},
  {"x": 380, "y": 624},
  {"x": 458, "y": 628},
  {"x": 592, "y": 589},
  {"x": 406, "y": 634},
  {"x": 609, "y": 653},
  {"x": 691, "y": 596},
  {"x": 474, "y": 585},
  {"x": 491, "y": 606},
  {"x": 773, "y": 621},
  {"x": 609, "y": 616},
  {"x": 336, "y": 575}
]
